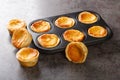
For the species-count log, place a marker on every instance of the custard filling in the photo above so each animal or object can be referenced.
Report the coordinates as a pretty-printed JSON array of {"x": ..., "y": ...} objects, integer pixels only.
[
  {"x": 87, "y": 17},
  {"x": 97, "y": 31},
  {"x": 48, "y": 40},
  {"x": 64, "y": 22},
  {"x": 73, "y": 35},
  {"x": 41, "y": 26}
]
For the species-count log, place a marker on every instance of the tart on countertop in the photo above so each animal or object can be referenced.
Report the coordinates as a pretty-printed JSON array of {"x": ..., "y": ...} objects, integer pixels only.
[
  {"x": 28, "y": 57},
  {"x": 15, "y": 24},
  {"x": 21, "y": 38},
  {"x": 76, "y": 52}
]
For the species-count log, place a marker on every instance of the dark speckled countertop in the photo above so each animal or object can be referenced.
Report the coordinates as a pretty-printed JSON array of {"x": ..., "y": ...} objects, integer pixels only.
[{"x": 103, "y": 61}]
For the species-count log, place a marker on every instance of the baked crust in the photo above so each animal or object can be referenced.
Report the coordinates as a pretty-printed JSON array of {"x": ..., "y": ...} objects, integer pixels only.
[
  {"x": 21, "y": 38},
  {"x": 87, "y": 17},
  {"x": 73, "y": 35},
  {"x": 64, "y": 22},
  {"x": 97, "y": 31},
  {"x": 76, "y": 52},
  {"x": 27, "y": 57},
  {"x": 40, "y": 26},
  {"x": 15, "y": 24},
  {"x": 48, "y": 40}
]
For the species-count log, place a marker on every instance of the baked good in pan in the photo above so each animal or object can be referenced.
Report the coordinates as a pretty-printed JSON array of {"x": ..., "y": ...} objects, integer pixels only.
[
  {"x": 76, "y": 52},
  {"x": 21, "y": 38},
  {"x": 15, "y": 24},
  {"x": 64, "y": 22},
  {"x": 28, "y": 57},
  {"x": 48, "y": 40},
  {"x": 87, "y": 17},
  {"x": 73, "y": 35},
  {"x": 97, "y": 31},
  {"x": 40, "y": 26}
]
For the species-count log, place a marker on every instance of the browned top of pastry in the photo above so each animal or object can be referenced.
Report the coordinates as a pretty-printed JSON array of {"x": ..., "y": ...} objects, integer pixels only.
[
  {"x": 76, "y": 52},
  {"x": 97, "y": 31},
  {"x": 64, "y": 22},
  {"x": 87, "y": 17},
  {"x": 15, "y": 24},
  {"x": 73, "y": 35},
  {"x": 48, "y": 40},
  {"x": 40, "y": 26},
  {"x": 27, "y": 54}
]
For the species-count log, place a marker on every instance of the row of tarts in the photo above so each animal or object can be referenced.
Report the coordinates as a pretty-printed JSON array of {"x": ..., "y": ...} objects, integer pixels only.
[{"x": 75, "y": 51}]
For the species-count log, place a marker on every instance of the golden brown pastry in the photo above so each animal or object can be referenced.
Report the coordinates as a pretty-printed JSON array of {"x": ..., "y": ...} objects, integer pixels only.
[
  {"x": 28, "y": 57},
  {"x": 40, "y": 26},
  {"x": 87, "y": 17},
  {"x": 21, "y": 38},
  {"x": 97, "y": 31},
  {"x": 76, "y": 52},
  {"x": 15, "y": 24},
  {"x": 48, "y": 40},
  {"x": 73, "y": 35},
  {"x": 64, "y": 22}
]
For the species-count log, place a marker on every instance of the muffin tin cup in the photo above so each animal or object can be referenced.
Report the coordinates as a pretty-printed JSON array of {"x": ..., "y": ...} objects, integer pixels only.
[{"x": 88, "y": 40}]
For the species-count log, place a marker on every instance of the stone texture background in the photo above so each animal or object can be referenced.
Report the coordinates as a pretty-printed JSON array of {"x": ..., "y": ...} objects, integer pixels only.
[{"x": 103, "y": 61}]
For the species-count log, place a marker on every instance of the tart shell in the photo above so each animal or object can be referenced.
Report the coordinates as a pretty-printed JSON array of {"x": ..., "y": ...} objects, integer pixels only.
[
  {"x": 97, "y": 31},
  {"x": 28, "y": 57},
  {"x": 48, "y": 40},
  {"x": 40, "y": 26},
  {"x": 21, "y": 38},
  {"x": 87, "y": 17},
  {"x": 64, "y": 22},
  {"x": 73, "y": 35},
  {"x": 76, "y": 52},
  {"x": 15, "y": 24}
]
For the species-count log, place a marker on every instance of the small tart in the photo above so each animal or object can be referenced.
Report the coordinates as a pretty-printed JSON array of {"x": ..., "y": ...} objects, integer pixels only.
[
  {"x": 97, "y": 31},
  {"x": 64, "y": 22},
  {"x": 40, "y": 26},
  {"x": 48, "y": 40},
  {"x": 87, "y": 17},
  {"x": 73, "y": 35},
  {"x": 76, "y": 52},
  {"x": 15, "y": 24},
  {"x": 27, "y": 57},
  {"x": 21, "y": 38}
]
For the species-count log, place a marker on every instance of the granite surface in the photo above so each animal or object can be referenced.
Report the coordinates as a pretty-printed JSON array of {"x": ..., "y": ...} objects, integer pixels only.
[{"x": 103, "y": 61}]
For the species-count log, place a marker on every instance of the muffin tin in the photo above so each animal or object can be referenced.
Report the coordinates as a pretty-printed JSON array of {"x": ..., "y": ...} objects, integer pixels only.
[{"x": 88, "y": 40}]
